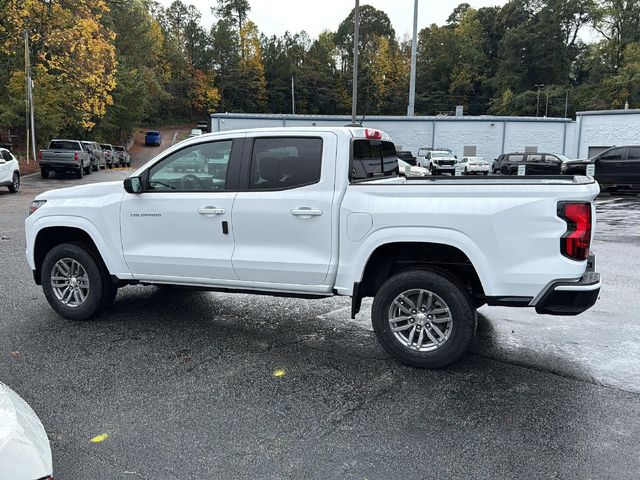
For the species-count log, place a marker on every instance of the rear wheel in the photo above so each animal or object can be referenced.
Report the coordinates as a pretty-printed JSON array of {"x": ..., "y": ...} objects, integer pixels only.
[
  {"x": 423, "y": 319},
  {"x": 80, "y": 172},
  {"x": 74, "y": 282},
  {"x": 88, "y": 170},
  {"x": 44, "y": 172},
  {"x": 15, "y": 183}
]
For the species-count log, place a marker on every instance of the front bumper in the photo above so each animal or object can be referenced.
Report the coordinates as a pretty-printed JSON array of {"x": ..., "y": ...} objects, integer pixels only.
[
  {"x": 444, "y": 168},
  {"x": 571, "y": 298}
]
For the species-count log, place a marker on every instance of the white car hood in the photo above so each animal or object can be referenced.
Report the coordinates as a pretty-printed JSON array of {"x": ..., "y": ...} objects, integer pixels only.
[
  {"x": 84, "y": 191},
  {"x": 25, "y": 453}
]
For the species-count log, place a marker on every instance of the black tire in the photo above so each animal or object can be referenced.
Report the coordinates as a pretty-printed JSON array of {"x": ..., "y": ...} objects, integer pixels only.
[
  {"x": 80, "y": 173},
  {"x": 99, "y": 292},
  {"x": 44, "y": 172},
  {"x": 15, "y": 183},
  {"x": 463, "y": 318},
  {"x": 88, "y": 170}
]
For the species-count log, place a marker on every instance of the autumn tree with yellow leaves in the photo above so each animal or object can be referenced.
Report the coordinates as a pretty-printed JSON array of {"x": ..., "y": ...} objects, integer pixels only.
[{"x": 73, "y": 58}]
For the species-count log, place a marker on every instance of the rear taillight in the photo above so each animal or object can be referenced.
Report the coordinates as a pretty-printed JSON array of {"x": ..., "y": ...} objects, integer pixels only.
[
  {"x": 75, "y": 156},
  {"x": 40, "y": 155},
  {"x": 575, "y": 242}
]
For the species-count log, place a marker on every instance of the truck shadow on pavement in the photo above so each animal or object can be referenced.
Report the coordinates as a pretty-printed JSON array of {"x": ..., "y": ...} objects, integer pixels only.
[{"x": 258, "y": 387}]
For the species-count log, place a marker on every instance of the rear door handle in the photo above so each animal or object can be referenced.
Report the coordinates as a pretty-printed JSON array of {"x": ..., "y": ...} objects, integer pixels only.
[
  {"x": 211, "y": 211},
  {"x": 306, "y": 212}
]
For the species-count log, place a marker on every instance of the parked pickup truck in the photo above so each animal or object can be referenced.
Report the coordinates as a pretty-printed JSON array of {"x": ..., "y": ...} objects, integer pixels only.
[
  {"x": 294, "y": 214},
  {"x": 65, "y": 156}
]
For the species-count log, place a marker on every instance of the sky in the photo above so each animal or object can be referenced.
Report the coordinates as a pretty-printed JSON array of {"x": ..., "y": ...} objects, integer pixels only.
[{"x": 274, "y": 17}]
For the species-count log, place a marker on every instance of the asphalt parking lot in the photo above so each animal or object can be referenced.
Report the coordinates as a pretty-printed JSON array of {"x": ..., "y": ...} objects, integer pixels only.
[{"x": 193, "y": 385}]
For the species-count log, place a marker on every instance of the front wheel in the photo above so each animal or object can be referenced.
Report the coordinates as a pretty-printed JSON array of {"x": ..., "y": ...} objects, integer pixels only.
[
  {"x": 80, "y": 173},
  {"x": 15, "y": 183},
  {"x": 423, "y": 319},
  {"x": 74, "y": 282}
]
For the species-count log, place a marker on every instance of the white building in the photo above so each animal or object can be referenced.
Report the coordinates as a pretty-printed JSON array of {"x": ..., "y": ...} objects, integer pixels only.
[{"x": 485, "y": 136}]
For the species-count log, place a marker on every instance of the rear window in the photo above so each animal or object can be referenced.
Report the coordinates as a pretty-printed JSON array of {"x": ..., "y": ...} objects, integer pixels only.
[
  {"x": 153, "y": 133},
  {"x": 373, "y": 159},
  {"x": 64, "y": 145}
]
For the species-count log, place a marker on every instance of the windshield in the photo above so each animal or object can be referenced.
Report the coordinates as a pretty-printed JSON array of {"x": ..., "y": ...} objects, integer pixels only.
[
  {"x": 563, "y": 158},
  {"x": 119, "y": 149},
  {"x": 104, "y": 146}
]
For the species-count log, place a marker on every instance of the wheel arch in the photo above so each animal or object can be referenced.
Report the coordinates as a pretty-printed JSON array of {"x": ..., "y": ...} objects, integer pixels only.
[
  {"x": 50, "y": 235},
  {"x": 390, "y": 258}
]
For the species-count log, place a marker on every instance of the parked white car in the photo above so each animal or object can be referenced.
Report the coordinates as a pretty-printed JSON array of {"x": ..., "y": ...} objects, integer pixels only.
[
  {"x": 25, "y": 453},
  {"x": 9, "y": 171},
  {"x": 195, "y": 133},
  {"x": 474, "y": 165},
  {"x": 317, "y": 212}
]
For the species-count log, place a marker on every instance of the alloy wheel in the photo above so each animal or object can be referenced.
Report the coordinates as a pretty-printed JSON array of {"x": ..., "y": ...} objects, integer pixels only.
[
  {"x": 420, "y": 320},
  {"x": 70, "y": 282}
]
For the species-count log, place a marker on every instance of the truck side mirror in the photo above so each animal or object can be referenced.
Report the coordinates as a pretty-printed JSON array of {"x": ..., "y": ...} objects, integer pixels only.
[{"x": 133, "y": 185}]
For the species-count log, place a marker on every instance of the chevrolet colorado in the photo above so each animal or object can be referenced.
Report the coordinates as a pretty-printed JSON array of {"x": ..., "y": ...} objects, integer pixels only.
[{"x": 315, "y": 212}]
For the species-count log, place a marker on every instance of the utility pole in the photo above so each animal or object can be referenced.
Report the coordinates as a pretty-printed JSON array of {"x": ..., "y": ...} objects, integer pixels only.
[
  {"x": 538, "y": 104},
  {"x": 293, "y": 96},
  {"x": 29, "y": 98},
  {"x": 566, "y": 105},
  {"x": 546, "y": 110},
  {"x": 356, "y": 33},
  {"x": 414, "y": 52}
]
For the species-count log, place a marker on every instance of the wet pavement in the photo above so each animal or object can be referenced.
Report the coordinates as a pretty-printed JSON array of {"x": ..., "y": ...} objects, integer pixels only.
[{"x": 207, "y": 385}]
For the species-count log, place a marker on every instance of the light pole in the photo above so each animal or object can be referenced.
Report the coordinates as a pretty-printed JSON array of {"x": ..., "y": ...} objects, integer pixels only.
[
  {"x": 356, "y": 32},
  {"x": 414, "y": 52},
  {"x": 538, "y": 104},
  {"x": 546, "y": 109}
]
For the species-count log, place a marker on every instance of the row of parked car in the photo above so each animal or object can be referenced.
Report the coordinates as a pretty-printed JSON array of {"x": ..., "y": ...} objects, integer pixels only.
[
  {"x": 81, "y": 157},
  {"x": 617, "y": 167}
]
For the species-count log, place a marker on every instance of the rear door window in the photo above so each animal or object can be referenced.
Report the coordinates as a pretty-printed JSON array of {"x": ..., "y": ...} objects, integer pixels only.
[
  {"x": 282, "y": 163},
  {"x": 373, "y": 159},
  {"x": 634, "y": 153},
  {"x": 613, "y": 154}
]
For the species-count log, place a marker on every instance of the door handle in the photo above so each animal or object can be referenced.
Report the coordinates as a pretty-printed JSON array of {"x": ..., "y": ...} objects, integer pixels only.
[
  {"x": 211, "y": 211},
  {"x": 306, "y": 212}
]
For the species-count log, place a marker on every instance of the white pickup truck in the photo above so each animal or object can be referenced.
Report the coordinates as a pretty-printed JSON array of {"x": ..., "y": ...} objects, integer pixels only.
[{"x": 292, "y": 211}]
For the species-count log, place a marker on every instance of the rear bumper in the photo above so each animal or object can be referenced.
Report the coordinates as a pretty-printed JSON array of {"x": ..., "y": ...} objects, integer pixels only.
[
  {"x": 59, "y": 166},
  {"x": 570, "y": 298}
]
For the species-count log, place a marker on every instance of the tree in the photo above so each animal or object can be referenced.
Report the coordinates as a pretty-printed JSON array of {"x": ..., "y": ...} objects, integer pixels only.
[
  {"x": 72, "y": 52},
  {"x": 251, "y": 90},
  {"x": 373, "y": 23},
  {"x": 234, "y": 10}
]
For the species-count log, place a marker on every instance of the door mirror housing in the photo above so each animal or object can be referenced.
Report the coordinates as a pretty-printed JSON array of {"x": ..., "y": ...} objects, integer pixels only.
[{"x": 133, "y": 185}]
